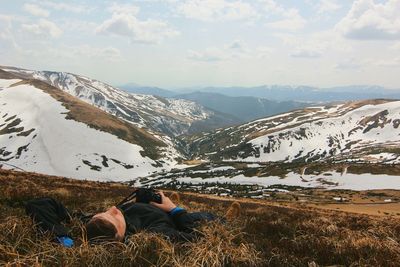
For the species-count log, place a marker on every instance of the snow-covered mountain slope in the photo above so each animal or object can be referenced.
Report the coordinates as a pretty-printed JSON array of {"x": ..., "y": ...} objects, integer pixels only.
[
  {"x": 363, "y": 131},
  {"x": 43, "y": 129},
  {"x": 328, "y": 180},
  {"x": 168, "y": 116}
]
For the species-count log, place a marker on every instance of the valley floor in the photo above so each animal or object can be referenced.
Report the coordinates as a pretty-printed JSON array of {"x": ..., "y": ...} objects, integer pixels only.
[
  {"x": 377, "y": 209},
  {"x": 289, "y": 230},
  {"x": 380, "y": 203}
]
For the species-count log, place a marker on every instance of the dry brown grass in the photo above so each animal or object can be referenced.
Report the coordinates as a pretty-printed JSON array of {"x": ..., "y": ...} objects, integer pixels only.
[
  {"x": 233, "y": 211},
  {"x": 360, "y": 103},
  {"x": 175, "y": 197},
  {"x": 297, "y": 236},
  {"x": 262, "y": 235},
  {"x": 192, "y": 162},
  {"x": 7, "y": 75},
  {"x": 20, "y": 245}
]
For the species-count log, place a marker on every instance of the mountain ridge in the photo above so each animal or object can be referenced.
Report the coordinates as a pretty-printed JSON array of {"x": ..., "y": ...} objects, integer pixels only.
[
  {"x": 246, "y": 108},
  {"x": 171, "y": 117},
  {"x": 306, "y": 93},
  {"x": 249, "y": 141},
  {"x": 82, "y": 112},
  {"x": 249, "y": 103},
  {"x": 44, "y": 129}
]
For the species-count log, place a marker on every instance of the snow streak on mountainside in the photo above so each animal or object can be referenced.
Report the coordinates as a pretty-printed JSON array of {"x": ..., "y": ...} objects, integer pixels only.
[
  {"x": 37, "y": 135},
  {"x": 362, "y": 131},
  {"x": 168, "y": 116}
]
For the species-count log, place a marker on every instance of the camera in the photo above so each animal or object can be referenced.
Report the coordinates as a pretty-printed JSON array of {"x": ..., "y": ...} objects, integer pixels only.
[
  {"x": 142, "y": 195},
  {"x": 147, "y": 195}
]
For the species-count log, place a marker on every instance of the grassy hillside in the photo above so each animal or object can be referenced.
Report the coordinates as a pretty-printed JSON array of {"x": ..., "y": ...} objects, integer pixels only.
[{"x": 264, "y": 234}]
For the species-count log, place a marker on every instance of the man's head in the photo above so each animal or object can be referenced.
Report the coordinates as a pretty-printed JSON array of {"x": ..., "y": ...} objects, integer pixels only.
[{"x": 108, "y": 225}]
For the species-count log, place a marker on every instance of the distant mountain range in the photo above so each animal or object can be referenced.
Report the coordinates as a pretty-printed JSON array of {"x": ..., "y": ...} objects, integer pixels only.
[
  {"x": 246, "y": 108},
  {"x": 243, "y": 108},
  {"x": 280, "y": 92},
  {"x": 307, "y": 93},
  {"x": 250, "y": 103}
]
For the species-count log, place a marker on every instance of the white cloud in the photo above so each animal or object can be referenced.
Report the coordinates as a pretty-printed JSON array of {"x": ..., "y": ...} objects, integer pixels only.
[
  {"x": 36, "y": 10},
  {"x": 272, "y": 6},
  {"x": 5, "y": 23},
  {"x": 111, "y": 53},
  {"x": 73, "y": 54},
  {"x": 395, "y": 46},
  {"x": 390, "y": 63},
  {"x": 108, "y": 53},
  {"x": 124, "y": 8},
  {"x": 78, "y": 26},
  {"x": 209, "y": 55},
  {"x": 305, "y": 53},
  {"x": 263, "y": 51},
  {"x": 44, "y": 27},
  {"x": 7, "y": 41},
  {"x": 235, "y": 50},
  {"x": 368, "y": 20},
  {"x": 290, "y": 19},
  {"x": 147, "y": 31},
  {"x": 229, "y": 51},
  {"x": 349, "y": 64},
  {"x": 70, "y": 7},
  {"x": 314, "y": 45},
  {"x": 124, "y": 22},
  {"x": 211, "y": 10},
  {"x": 237, "y": 46},
  {"x": 326, "y": 6},
  {"x": 156, "y": 1}
]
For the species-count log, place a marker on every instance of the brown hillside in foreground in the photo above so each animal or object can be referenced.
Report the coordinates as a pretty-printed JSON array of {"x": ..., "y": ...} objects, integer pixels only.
[{"x": 261, "y": 235}]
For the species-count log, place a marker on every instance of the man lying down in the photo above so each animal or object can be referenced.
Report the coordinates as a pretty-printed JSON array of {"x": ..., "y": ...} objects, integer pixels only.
[{"x": 151, "y": 211}]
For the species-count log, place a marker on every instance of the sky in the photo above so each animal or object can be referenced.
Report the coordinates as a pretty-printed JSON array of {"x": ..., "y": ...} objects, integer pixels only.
[{"x": 191, "y": 43}]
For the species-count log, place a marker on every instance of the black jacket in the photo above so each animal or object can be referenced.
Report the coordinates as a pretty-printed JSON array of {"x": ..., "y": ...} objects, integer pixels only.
[
  {"x": 141, "y": 216},
  {"x": 50, "y": 215}
]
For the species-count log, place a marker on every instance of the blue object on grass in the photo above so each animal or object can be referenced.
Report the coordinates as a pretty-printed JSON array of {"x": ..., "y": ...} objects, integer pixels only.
[{"x": 65, "y": 241}]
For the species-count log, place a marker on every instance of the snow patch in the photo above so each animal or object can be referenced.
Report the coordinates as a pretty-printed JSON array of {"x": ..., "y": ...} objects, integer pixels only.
[
  {"x": 58, "y": 146},
  {"x": 4, "y": 83}
]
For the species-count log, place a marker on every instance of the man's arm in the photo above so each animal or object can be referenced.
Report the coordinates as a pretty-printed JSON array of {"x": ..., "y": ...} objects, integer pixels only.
[{"x": 181, "y": 218}]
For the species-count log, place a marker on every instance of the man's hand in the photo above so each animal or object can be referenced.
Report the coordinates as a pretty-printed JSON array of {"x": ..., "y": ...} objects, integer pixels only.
[{"x": 166, "y": 205}]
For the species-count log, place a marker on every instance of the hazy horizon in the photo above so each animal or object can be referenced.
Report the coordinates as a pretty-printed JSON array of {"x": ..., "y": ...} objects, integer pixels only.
[{"x": 195, "y": 87}]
